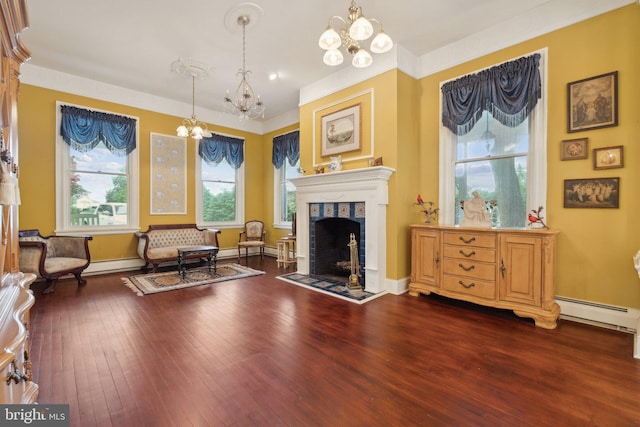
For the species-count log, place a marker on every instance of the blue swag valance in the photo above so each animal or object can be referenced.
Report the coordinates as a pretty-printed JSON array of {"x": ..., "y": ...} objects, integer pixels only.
[
  {"x": 286, "y": 147},
  {"x": 509, "y": 92},
  {"x": 84, "y": 129},
  {"x": 216, "y": 148}
]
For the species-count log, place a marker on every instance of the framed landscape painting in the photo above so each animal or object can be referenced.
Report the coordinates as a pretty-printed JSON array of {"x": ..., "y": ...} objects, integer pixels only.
[
  {"x": 341, "y": 131},
  {"x": 593, "y": 102}
]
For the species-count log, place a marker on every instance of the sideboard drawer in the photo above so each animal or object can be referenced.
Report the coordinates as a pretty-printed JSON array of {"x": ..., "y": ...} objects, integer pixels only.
[
  {"x": 470, "y": 239},
  {"x": 470, "y": 254},
  {"x": 466, "y": 286},
  {"x": 476, "y": 270}
]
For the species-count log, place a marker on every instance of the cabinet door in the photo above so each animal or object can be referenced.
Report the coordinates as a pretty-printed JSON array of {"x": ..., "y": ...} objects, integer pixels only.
[
  {"x": 425, "y": 256},
  {"x": 520, "y": 269}
]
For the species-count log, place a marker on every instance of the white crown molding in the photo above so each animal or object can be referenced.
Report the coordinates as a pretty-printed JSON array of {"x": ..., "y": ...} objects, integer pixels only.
[
  {"x": 544, "y": 19},
  {"x": 69, "y": 83}
]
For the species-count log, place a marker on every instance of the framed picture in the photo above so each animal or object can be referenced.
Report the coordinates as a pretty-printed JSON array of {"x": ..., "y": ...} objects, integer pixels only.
[
  {"x": 591, "y": 193},
  {"x": 341, "y": 131},
  {"x": 574, "y": 149},
  {"x": 608, "y": 157},
  {"x": 593, "y": 102},
  {"x": 168, "y": 174}
]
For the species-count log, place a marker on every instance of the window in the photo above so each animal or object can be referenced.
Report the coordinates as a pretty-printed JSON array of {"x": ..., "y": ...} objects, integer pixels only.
[
  {"x": 492, "y": 160},
  {"x": 285, "y": 157},
  {"x": 220, "y": 181},
  {"x": 502, "y": 162},
  {"x": 96, "y": 171},
  {"x": 285, "y": 193}
]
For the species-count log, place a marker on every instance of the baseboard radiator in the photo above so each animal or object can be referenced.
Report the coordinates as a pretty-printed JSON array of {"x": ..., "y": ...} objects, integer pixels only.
[{"x": 608, "y": 316}]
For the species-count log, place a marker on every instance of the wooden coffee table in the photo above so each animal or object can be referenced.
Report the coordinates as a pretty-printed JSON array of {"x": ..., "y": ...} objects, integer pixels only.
[{"x": 210, "y": 251}]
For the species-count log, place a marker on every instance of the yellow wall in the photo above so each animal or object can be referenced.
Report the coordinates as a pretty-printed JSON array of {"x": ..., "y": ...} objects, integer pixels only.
[
  {"x": 37, "y": 130},
  {"x": 595, "y": 246}
]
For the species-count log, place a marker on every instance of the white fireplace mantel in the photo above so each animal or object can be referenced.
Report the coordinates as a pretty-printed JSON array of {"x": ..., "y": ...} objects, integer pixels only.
[{"x": 369, "y": 185}]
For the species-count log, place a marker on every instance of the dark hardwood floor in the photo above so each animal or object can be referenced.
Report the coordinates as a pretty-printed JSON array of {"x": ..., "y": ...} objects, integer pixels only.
[{"x": 263, "y": 352}]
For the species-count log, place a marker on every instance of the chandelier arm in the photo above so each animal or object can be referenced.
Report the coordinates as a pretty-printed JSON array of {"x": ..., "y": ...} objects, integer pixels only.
[
  {"x": 340, "y": 18},
  {"x": 377, "y": 22}
]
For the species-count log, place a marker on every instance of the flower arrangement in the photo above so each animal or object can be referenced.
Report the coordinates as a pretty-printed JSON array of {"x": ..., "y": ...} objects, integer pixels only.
[
  {"x": 428, "y": 210},
  {"x": 536, "y": 220}
]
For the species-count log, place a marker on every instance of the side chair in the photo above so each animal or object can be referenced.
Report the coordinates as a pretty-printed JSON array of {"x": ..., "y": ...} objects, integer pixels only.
[
  {"x": 52, "y": 257},
  {"x": 251, "y": 237}
]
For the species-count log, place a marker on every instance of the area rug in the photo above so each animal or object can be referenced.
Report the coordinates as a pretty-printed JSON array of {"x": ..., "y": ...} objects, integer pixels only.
[
  {"x": 331, "y": 287},
  {"x": 152, "y": 283}
]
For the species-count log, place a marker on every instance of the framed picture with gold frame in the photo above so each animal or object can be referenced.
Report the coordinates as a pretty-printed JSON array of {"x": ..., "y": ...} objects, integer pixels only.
[
  {"x": 341, "y": 131},
  {"x": 593, "y": 102},
  {"x": 608, "y": 157},
  {"x": 574, "y": 149}
]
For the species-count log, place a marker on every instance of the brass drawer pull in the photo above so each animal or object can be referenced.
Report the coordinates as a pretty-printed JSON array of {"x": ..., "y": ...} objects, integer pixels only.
[
  {"x": 467, "y": 240},
  {"x": 470, "y": 285},
  {"x": 466, "y": 268},
  {"x": 472, "y": 253}
]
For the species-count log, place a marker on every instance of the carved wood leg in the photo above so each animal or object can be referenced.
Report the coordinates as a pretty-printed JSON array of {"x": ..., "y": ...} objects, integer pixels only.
[
  {"x": 80, "y": 280},
  {"x": 51, "y": 286}
]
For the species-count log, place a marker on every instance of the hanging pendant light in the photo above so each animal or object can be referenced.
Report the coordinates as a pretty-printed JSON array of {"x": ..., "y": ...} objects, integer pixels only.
[
  {"x": 191, "y": 126},
  {"x": 244, "y": 102}
]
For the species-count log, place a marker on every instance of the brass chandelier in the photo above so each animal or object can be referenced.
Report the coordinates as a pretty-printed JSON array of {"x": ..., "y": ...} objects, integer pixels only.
[
  {"x": 244, "y": 102},
  {"x": 191, "y": 126},
  {"x": 356, "y": 30}
]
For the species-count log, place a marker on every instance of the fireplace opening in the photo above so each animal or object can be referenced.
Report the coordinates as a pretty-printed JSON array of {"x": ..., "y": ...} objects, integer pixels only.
[{"x": 332, "y": 254}]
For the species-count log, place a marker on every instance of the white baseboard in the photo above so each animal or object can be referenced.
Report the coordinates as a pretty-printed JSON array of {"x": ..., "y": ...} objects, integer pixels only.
[
  {"x": 102, "y": 267},
  {"x": 619, "y": 318}
]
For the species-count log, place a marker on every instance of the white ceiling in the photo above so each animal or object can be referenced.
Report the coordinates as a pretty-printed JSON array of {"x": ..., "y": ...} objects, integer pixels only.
[{"x": 132, "y": 43}]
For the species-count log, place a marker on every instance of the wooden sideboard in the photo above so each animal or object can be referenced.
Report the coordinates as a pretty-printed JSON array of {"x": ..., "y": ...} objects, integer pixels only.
[
  {"x": 504, "y": 268},
  {"x": 16, "y": 299}
]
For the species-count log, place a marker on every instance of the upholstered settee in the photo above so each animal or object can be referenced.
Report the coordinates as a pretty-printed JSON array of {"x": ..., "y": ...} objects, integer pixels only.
[{"x": 160, "y": 243}]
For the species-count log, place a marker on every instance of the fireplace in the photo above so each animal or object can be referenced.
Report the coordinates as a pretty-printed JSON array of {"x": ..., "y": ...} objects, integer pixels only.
[
  {"x": 359, "y": 196},
  {"x": 331, "y": 225}
]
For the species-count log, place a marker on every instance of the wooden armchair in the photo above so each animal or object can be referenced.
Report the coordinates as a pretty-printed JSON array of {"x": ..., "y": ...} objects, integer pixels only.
[
  {"x": 252, "y": 237},
  {"x": 52, "y": 257}
]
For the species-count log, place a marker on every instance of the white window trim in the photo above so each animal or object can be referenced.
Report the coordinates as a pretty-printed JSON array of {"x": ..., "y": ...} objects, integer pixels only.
[
  {"x": 536, "y": 157},
  {"x": 278, "y": 177},
  {"x": 63, "y": 190},
  {"x": 239, "y": 222}
]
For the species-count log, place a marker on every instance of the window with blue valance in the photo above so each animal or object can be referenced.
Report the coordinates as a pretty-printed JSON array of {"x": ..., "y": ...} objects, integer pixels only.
[
  {"x": 84, "y": 129},
  {"x": 216, "y": 148},
  {"x": 509, "y": 92},
  {"x": 286, "y": 146}
]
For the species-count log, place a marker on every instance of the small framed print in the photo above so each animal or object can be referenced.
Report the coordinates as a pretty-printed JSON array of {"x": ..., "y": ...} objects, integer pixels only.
[
  {"x": 574, "y": 149},
  {"x": 608, "y": 157}
]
